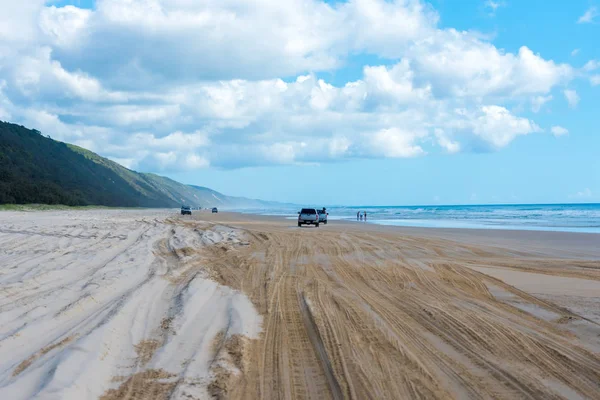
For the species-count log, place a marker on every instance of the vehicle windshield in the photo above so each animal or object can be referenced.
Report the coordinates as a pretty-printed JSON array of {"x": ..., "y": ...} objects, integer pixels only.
[
  {"x": 322, "y": 212},
  {"x": 308, "y": 211}
]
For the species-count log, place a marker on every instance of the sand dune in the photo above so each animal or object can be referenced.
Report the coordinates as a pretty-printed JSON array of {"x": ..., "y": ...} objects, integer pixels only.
[
  {"x": 110, "y": 300},
  {"x": 139, "y": 304}
]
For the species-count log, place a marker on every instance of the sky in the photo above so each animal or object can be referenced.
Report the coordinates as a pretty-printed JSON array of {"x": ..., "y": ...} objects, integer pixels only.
[{"x": 357, "y": 102}]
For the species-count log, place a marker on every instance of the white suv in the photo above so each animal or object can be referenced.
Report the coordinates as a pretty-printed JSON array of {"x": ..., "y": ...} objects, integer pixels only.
[
  {"x": 308, "y": 216},
  {"x": 323, "y": 215}
]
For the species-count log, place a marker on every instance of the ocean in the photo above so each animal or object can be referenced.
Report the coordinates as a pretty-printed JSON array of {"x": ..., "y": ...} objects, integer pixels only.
[{"x": 544, "y": 217}]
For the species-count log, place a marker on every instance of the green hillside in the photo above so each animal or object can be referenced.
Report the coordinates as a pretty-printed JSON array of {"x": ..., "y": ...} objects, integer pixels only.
[{"x": 37, "y": 169}]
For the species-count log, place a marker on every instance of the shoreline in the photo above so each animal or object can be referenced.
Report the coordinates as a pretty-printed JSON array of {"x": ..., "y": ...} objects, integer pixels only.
[{"x": 451, "y": 223}]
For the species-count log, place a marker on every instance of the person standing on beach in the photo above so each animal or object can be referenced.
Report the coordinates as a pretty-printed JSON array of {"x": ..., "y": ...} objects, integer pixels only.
[
  {"x": 357, "y": 215},
  {"x": 365, "y": 216}
]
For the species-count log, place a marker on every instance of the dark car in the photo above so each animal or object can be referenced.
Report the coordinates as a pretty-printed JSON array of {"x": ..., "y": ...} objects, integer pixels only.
[
  {"x": 214, "y": 210},
  {"x": 185, "y": 210}
]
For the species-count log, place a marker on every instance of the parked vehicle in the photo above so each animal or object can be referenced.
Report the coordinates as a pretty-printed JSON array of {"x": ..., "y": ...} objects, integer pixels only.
[
  {"x": 323, "y": 216},
  {"x": 186, "y": 210},
  {"x": 214, "y": 210},
  {"x": 308, "y": 216}
]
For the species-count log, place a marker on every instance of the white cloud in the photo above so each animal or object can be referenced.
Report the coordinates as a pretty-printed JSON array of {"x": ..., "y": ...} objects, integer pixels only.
[
  {"x": 37, "y": 76},
  {"x": 538, "y": 102},
  {"x": 559, "y": 131},
  {"x": 394, "y": 85},
  {"x": 18, "y": 20},
  {"x": 176, "y": 84},
  {"x": 120, "y": 41},
  {"x": 497, "y": 126},
  {"x": 386, "y": 27},
  {"x": 459, "y": 64},
  {"x": 167, "y": 40},
  {"x": 591, "y": 65},
  {"x": 588, "y": 16},
  {"x": 575, "y": 52},
  {"x": 174, "y": 141},
  {"x": 262, "y": 38},
  {"x": 394, "y": 143},
  {"x": 194, "y": 161},
  {"x": 572, "y": 97},
  {"x": 134, "y": 115},
  {"x": 584, "y": 194},
  {"x": 5, "y": 104},
  {"x": 493, "y": 6},
  {"x": 64, "y": 26},
  {"x": 447, "y": 143}
]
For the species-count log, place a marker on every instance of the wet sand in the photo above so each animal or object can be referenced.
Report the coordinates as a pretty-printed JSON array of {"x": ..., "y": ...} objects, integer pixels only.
[{"x": 150, "y": 304}]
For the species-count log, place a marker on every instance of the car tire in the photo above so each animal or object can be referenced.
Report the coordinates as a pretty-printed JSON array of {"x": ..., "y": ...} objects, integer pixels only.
[
  {"x": 325, "y": 222},
  {"x": 317, "y": 225},
  {"x": 299, "y": 224}
]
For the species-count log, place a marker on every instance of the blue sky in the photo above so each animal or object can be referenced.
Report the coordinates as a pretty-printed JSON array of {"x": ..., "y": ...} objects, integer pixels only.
[{"x": 359, "y": 102}]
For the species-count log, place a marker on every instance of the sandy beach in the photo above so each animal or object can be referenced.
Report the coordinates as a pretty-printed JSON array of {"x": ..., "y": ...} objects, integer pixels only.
[{"x": 148, "y": 304}]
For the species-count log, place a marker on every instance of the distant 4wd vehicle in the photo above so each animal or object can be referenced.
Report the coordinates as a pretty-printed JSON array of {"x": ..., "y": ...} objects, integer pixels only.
[
  {"x": 186, "y": 210},
  {"x": 214, "y": 210},
  {"x": 308, "y": 216},
  {"x": 323, "y": 215}
]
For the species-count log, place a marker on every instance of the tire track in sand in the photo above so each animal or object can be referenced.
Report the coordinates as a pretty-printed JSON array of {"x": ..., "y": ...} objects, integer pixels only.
[{"x": 360, "y": 315}]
